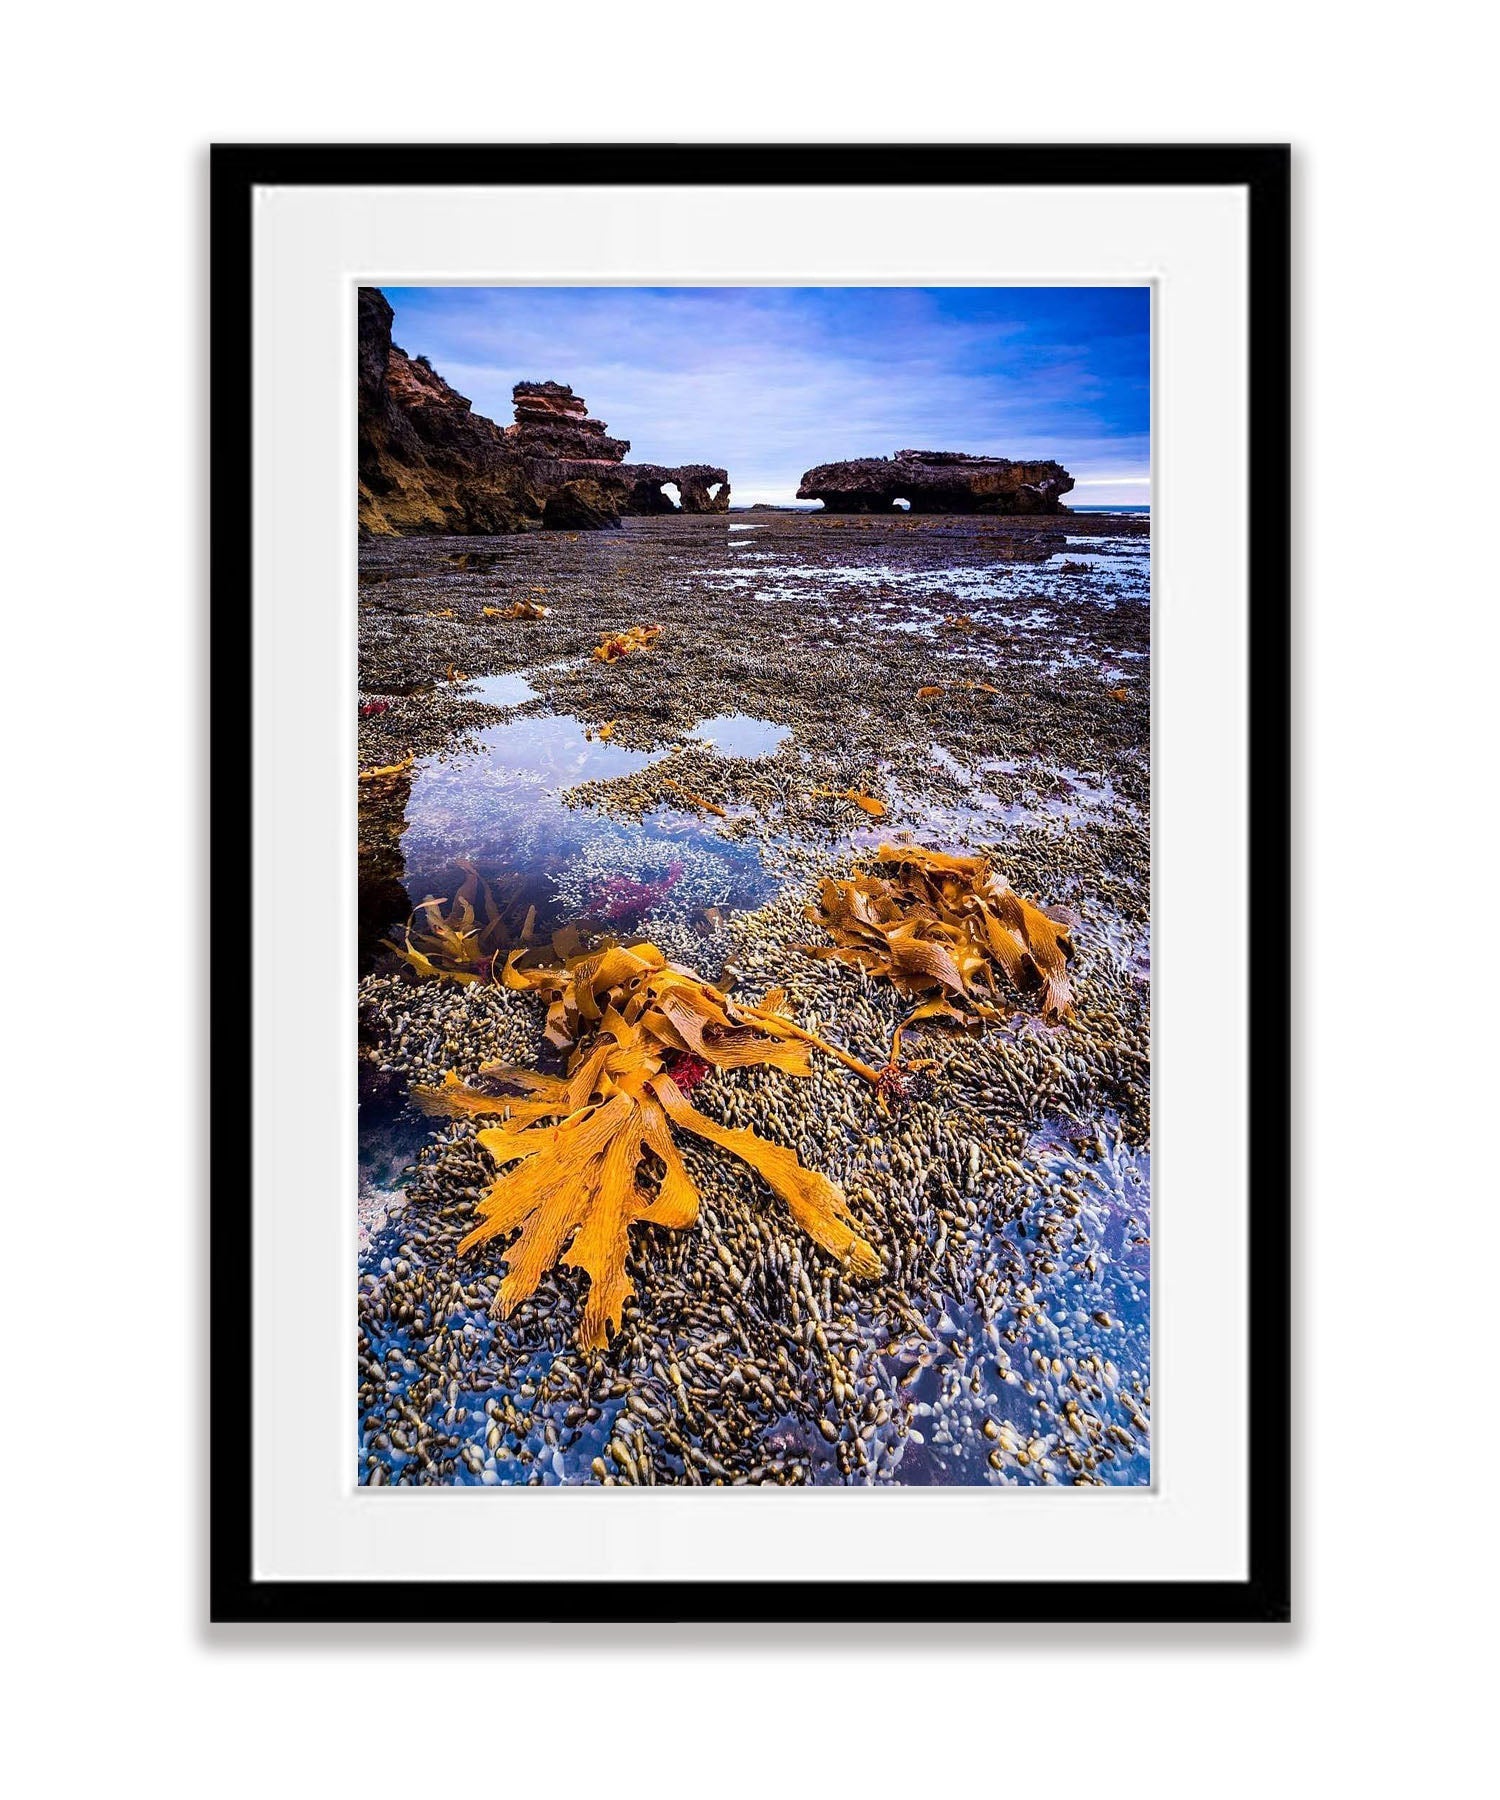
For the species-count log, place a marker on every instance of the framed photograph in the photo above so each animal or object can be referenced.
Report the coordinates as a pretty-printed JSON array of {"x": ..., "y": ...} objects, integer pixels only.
[{"x": 750, "y": 699}]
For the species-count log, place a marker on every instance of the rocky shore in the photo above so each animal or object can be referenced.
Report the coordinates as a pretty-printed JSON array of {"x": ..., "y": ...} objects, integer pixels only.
[{"x": 988, "y": 682}]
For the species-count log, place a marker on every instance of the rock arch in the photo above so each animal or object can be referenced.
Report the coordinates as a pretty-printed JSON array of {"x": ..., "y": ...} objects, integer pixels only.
[
  {"x": 703, "y": 488},
  {"x": 646, "y": 499},
  {"x": 937, "y": 481}
]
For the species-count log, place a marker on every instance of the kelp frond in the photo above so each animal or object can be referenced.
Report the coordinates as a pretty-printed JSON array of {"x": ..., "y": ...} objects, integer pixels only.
[
  {"x": 518, "y": 609},
  {"x": 694, "y": 799},
  {"x": 460, "y": 941},
  {"x": 391, "y": 771},
  {"x": 626, "y": 643},
  {"x": 856, "y": 796},
  {"x": 580, "y": 1140},
  {"x": 934, "y": 690},
  {"x": 939, "y": 928}
]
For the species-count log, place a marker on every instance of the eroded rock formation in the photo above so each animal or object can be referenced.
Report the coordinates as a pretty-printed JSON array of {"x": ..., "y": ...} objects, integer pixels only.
[
  {"x": 703, "y": 488},
  {"x": 553, "y": 426},
  {"x": 560, "y": 444},
  {"x": 937, "y": 481},
  {"x": 429, "y": 463}
]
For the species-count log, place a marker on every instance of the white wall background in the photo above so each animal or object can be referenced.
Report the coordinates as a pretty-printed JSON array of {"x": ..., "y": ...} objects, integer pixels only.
[{"x": 118, "y": 1682}]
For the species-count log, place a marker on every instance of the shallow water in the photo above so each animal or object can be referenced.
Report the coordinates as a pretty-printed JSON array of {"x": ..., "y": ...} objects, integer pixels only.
[
  {"x": 500, "y": 690},
  {"x": 737, "y": 734},
  {"x": 389, "y": 1139},
  {"x": 502, "y": 805},
  {"x": 984, "y": 1408},
  {"x": 1021, "y": 598}
]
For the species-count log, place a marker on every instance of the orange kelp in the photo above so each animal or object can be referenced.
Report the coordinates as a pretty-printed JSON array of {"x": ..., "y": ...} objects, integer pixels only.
[
  {"x": 866, "y": 802},
  {"x": 460, "y": 942},
  {"x": 694, "y": 798},
  {"x": 626, "y": 643},
  {"x": 940, "y": 926},
  {"x": 518, "y": 609},
  {"x": 391, "y": 771},
  {"x": 935, "y": 690},
  {"x": 627, "y": 1017}
]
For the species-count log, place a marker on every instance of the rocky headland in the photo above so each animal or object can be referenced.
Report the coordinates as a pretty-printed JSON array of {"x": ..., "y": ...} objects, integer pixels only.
[
  {"x": 937, "y": 481},
  {"x": 429, "y": 464}
]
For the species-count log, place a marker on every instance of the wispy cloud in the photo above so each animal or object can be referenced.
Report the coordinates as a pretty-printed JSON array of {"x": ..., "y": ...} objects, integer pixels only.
[{"x": 768, "y": 381}]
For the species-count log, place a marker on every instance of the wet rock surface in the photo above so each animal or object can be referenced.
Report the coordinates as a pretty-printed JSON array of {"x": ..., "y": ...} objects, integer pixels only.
[{"x": 1007, "y": 1190}]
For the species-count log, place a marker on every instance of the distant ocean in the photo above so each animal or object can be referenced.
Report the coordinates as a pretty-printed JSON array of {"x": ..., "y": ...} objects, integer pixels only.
[{"x": 1111, "y": 509}]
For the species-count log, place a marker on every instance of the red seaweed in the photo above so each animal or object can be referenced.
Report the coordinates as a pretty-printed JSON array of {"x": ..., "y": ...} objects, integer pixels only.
[
  {"x": 688, "y": 1070},
  {"x": 622, "y": 897}
]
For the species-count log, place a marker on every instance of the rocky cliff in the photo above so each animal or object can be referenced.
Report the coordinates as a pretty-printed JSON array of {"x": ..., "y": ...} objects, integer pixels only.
[
  {"x": 429, "y": 463},
  {"x": 937, "y": 481}
]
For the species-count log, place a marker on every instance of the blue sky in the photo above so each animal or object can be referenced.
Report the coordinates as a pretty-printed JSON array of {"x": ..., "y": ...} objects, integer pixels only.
[{"x": 768, "y": 381}]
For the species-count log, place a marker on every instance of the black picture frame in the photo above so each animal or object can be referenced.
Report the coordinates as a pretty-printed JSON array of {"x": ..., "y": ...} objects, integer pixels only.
[{"x": 1263, "y": 171}]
